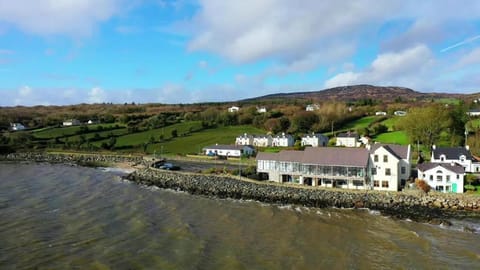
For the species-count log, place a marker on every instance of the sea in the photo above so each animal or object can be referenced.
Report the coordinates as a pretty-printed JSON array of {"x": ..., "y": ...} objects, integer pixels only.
[{"x": 68, "y": 217}]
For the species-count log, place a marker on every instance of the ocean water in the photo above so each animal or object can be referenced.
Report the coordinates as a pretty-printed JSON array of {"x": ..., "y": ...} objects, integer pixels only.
[{"x": 63, "y": 217}]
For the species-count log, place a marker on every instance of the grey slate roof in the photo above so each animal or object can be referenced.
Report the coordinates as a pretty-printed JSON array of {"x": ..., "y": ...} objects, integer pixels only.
[
  {"x": 347, "y": 135},
  {"x": 334, "y": 156},
  {"x": 456, "y": 168},
  {"x": 451, "y": 152},
  {"x": 399, "y": 151}
]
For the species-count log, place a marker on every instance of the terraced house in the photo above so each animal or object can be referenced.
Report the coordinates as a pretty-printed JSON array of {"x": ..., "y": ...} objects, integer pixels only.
[{"x": 352, "y": 168}]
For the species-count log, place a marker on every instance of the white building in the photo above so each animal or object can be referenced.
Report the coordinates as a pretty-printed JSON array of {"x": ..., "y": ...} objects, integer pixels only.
[
  {"x": 283, "y": 140},
  {"x": 261, "y": 110},
  {"x": 16, "y": 126},
  {"x": 312, "y": 107},
  {"x": 391, "y": 166},
  {"x": 474, "y": 112},
  {"x": 244, "y": 139},
  {"x": 400, "y": 113},
  {"x": 262, "y": 141},
  {"x": 443, "y": 177},
  {"x": 380, "y": 113},
  {"x": 233, "y": 109},
  {"x": 71, "y": 122},
  {"x": 459, "y": 155},
  {"x": 348, "y": 139},
  {"x": 314, "y": 140},
  {"x": 229, "y": 150}
]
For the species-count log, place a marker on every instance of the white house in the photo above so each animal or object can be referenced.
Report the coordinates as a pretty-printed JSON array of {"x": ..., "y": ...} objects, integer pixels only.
[
  {"x": 348, "y": 139},
  {"x": 460, "y": 155},
  {"x": 283, "y": 140},
  {"x": 443, "y": 177},
  {"x": 262, "y": 140},
  {"x": 474, "y": 112},
  {"x": 261, "y": 110},
  {"x": 233, "y": 109},
  {"x": 244, "y": 139},
  {"x": 314, "y": 140},
  {"x": 16, "y": 126},
  {"x": 312, "y": 107},
  {"x": 391, "y": 166},
  {"x": 365, "y": 140},
  {"x": 380, "y": 113},
  {"x": 228, "y": 150},
  {"x": 71, "y": 122},
  {"x": 91, "y": 122},
  {"x": 400, "y": 113}
]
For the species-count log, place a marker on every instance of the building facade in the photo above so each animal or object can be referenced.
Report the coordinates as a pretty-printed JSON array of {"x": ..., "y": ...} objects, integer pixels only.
[
  {"x": 16, "y": 126},
  {"x": 391, "y": 166},
  {"x": 244, "y": 139},
  {"x": 443, "y": 177},
  {"x": 283, "y": 140},
  {"x": 314, "y": 140},
  {"x": 229, "y": 150},
  {"x": 459, "y": 155},
  {"x": 348, "y": 139},
  {"x": 71, "y": 122}
]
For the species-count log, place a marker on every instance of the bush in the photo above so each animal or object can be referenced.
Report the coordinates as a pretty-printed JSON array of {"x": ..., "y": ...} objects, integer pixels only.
[
  {"x": 470, "y": 188},
  {"x": 422, "y": 185}
]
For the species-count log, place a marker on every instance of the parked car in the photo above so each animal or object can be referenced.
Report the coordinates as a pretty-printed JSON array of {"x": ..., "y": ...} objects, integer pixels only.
[{"x": 169, "y": 166}]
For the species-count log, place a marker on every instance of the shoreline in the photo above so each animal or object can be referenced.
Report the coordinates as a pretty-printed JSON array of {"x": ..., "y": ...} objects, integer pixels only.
[{"x": 423, "y": 208}]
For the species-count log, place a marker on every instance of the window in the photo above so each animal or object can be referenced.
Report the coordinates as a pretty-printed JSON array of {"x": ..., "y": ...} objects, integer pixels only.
[
  {"x": 387, "y": 171},
  {"x": 448, "y": 178},
  {"x": 374, "y": 171},
  {"x": 376, "y": 183},
  {"x": 447, "y": 188},
  {"x": 439, "y": 178},
  {"x": 375, "y": 158},
  {"x": 439, "y": 188},
  {"x": 384, "y": 184},
  {"x": 424, "y": 175},
  {"x": 458, "y": 176},
  {"x": 385, "y": 158},
  {"x": 431, "y": 177},
  {"x": 403, "y": 170}
]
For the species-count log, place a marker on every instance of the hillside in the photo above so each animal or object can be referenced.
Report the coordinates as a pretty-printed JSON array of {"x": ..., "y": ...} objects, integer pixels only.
[{"x": 357, "y": 92}]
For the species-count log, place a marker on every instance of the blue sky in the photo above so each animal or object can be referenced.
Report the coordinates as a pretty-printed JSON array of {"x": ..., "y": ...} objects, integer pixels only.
[{"x": 183, "y": 51}]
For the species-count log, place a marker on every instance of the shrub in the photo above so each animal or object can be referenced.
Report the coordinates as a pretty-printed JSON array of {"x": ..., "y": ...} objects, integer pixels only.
[
  {"x": 422, "y": 185},
  {"x": 469, "y": 188}
]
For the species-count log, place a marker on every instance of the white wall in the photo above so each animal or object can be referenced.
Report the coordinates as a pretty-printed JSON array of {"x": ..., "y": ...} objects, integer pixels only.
[
  {"x": 381, "y": 166},
  {"x": 430, "y": 176}
]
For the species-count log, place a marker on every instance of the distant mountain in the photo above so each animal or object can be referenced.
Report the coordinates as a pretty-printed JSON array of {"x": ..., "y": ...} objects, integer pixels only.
[{"x": 357, "y": 92}]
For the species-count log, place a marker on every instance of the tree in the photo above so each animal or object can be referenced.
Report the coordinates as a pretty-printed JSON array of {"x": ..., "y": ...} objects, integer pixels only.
[
  {"x": 174, "y": 133},
  {"x": 424, "y": 124},
  {"x": 303, "y": 121}
]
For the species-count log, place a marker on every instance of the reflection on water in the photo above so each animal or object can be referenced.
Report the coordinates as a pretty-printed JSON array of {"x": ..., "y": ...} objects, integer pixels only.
[{"x": 60, "y": 217}]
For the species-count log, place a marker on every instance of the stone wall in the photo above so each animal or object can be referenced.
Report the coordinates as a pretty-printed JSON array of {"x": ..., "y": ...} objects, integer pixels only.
[
  {"x": 434, "y": 208},
  {"x": 70, "y": 158}
]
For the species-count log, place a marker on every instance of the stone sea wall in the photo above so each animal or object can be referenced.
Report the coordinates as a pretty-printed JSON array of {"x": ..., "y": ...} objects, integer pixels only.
[
  {"x": 434, "y": 208},
  {"x": 70, "y": 158}
]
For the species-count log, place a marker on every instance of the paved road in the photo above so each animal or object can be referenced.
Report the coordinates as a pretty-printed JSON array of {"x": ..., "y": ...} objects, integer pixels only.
[{"x": 196, "y": 166}]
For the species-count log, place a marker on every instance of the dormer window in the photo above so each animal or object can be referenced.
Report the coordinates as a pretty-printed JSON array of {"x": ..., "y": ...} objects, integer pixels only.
[{"x": 462, "y": 158}]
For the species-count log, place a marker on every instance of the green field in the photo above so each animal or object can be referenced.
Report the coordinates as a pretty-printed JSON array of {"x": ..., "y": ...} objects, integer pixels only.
[
  {"x": 52, "y": 133},
  {"x": 391, "y": 122},
  {"x": 360, "y": 123},
  {"x": 397, "y": 137},
  {"x": 194, "y": 142},
  {"x": 453, "y": 101}
]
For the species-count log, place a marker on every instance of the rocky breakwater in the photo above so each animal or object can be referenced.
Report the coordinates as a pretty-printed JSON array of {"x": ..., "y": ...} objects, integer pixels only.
[
  {"x": 83, "y": 159},
  {"x": 436, "y": 208}
]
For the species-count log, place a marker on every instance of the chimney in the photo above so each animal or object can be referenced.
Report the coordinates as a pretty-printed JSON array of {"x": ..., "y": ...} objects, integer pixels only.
[
  {"x": 467, "y": 147},
  {"x": 452, "y": 163},
  {"x": 434, "y": 147}
]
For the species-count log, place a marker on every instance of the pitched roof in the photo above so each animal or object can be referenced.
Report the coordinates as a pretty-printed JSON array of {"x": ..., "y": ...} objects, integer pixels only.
[
  {"x": 456, "y": 168},
  {"x": 399, "y": 151},
  {"x": 347, "y": 135},
  {"x": 334, "y": 156},
  {"x": 226, "y": 147},
  {"x": 451, "y": 152}
]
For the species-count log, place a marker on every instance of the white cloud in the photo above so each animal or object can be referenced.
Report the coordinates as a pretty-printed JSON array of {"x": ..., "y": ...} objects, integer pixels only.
[
  {"x": 471, "y": 58},
  {"x": 25, "y": 91},
  {"x": 71, "y": 17},
  {"x": 97, "y": 95},
  {"x": 403, "y": 68}
]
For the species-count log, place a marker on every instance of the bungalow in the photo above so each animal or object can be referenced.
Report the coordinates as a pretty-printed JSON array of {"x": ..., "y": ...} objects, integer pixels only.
[
  {"x": 312, "y": 107},
  {"x": 229, "y": 150},
  {"x": 314, "y": 140},
  {"x": 71, "y": 122},
  {"x": 318, "y": 166},
  {"x": 460, "y": 155},
  {"x": 233, "y": 109},
  {"x": 380, "y": 113},
  {"x": 283, "y": 140},
  {"x": 474, "y": 112},
  {"x": 391, "y": 166},
  {"x": 262, "y": 140},
  {"x": 16, "y": 126},
  {"x": 348, "y": 139},
  {"x": 400, "y": 113},
  {"x": 244, "y": 139},
  {"x": 443, "y": 177}
]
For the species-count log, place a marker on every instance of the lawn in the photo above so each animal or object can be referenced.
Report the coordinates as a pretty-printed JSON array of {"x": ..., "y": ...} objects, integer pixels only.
[
  {"x": 194, "y": 142},
  {"x": 397, "y": 137},
  {"x": 391, "y": 122},
  {"x": 453, "y": 101}
]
